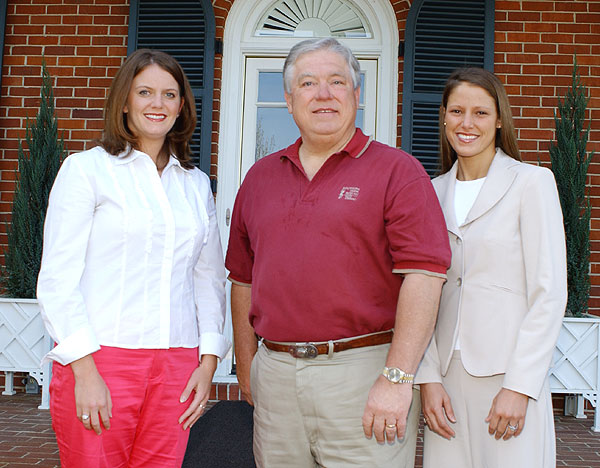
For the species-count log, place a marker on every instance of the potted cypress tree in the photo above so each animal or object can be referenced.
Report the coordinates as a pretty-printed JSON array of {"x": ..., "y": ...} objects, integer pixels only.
[
  {"x": 24, "y": 340},
  {"x": 575, "y": 368}
]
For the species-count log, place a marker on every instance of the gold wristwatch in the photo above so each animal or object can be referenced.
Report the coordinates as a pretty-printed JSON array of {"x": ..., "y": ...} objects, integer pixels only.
[{"x": 395, "y": 375}]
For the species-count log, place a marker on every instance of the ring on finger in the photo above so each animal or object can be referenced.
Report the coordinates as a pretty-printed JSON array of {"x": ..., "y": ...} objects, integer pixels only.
[
  {"x": 85, "y": 417},
  {"x": 202, "y": 406},
  {"x": 390, "y": 426},
  {"x": 512, "y": 428}
]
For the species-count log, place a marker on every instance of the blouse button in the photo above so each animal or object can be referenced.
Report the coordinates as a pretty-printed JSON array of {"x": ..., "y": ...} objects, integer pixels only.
[
  {"x": 459, "y": 282},
  {"x": 458, "y": 240}
]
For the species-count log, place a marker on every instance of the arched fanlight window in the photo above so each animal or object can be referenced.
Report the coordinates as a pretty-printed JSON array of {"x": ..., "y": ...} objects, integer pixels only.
[{"x": 313, "y": 18}]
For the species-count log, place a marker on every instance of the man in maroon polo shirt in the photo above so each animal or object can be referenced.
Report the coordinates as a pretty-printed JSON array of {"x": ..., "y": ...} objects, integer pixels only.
[{"x": 337, "y": 254}]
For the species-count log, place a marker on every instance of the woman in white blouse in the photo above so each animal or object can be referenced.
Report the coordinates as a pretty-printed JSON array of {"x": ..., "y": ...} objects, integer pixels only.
[
  {"x": 484, "y": 386},
  {"x": 132, "y": 283}
]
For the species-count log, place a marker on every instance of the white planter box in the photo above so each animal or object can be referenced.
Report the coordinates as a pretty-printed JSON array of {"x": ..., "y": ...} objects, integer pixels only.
[
  {"x": 575, "y": 366},
  {"x": 23, "y": 343}
]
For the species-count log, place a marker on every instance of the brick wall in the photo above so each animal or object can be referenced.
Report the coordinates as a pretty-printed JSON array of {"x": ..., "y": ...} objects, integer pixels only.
[
  {"x": 85, "y": 41},
  {"x": 534, "y": 46}
]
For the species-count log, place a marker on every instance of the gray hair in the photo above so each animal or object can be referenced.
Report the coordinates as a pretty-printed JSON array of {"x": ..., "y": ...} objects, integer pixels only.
[{"x": 312, "y": 45}]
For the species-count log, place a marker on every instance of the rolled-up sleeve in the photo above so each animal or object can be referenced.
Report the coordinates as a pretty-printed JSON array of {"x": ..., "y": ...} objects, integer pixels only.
[
  {"x": 66, "y": 232},
  {"x": 416, "y": 229}
]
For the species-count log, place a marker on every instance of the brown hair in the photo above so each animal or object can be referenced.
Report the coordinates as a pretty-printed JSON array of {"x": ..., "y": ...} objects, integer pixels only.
[
  {"x": 117, "y": 135},
  {"x": 506, "y": 138}
]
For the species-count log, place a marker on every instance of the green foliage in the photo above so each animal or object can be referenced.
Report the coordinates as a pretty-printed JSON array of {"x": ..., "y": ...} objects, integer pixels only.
[
  {"x": 35, "y": 175},
  {"x": 570, "y": 162}
]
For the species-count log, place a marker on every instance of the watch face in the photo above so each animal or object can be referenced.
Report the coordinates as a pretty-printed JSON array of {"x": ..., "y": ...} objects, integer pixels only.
[{"x": 394, "y": 374}]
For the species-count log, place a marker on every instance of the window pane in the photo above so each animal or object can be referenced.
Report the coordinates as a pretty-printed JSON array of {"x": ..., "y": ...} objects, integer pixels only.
[
  {"x": 270, "y": 87},
  {"x": 275, "y": 130}
]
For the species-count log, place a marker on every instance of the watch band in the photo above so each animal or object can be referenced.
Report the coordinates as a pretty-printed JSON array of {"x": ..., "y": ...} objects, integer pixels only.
[{"x": 395, "y": 375}]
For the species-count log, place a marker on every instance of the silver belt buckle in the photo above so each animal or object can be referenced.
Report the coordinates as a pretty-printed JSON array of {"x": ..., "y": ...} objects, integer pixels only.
[{"x": 304, "y": 351}]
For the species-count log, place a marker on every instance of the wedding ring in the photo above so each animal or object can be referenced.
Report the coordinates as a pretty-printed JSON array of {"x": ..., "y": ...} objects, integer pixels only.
[
  {"x": 85, "y": 417},
  {"x": 513, "y": 428},
  {"x": 202, "y": 406},
  {"x": 391, "y": 426}
]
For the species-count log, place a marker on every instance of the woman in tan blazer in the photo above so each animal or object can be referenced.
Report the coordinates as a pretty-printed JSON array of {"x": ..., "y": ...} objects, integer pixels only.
[{"x": 484, "y": 385}]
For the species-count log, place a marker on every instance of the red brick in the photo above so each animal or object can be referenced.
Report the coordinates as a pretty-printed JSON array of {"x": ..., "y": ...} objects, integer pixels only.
[
  {"x": 46, "y": 19},
  {"x": 42, "y": 40},
  {"x": 571, "y": 6},
  {"x": 556, "y": 59},
  {"x": 119, "y": 31},
  {"x": 59, "y": 50},
  {"x": 30, "y": 9},
  {"x": 74, "y": 61},
  {"x": 26, "y": 50},
  {"x": 92, "y": 30},
  {"x": 61, "y": 30},
  {"x": 509, "y": 47},
  {"x": 523, "y": 79},
  {"x": 522, "y": 37},
  {"x": 109, "y": 19},
  {"x": 76, "y": 40},
  {"x": 13, "y": 60},
  {"x": 90, "y": 92},
  {"x": 557, "y": 38},
  {"x": 573, "y": 28},
  {"x": 587, "y": 38},
  {"x": 523, "y": 58},
  {"x": 77, "y": 20},
  {"x": 62, "y": 9},
  {"x": 540, "y": 48},
  {"x": 570, "y": 49},
  {"x": 507, "y": 5},
  {"x": 538, "y": 6},
  {"x": 540, "y": 27},
  {"x": 94, "y": 10},
  {"x": 27, "y": 29},
  {"x": 90, "y": 72},
  {"x": 524, "y": 16},
  {"x": 506, "y": 26},
  {"x": 107, "y": 40}
]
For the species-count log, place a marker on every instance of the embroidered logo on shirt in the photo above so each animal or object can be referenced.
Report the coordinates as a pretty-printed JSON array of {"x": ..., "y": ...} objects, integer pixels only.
[{"x": 349, "y": 193}]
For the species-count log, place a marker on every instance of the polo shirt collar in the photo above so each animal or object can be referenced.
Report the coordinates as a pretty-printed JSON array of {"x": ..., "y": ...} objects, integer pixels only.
[{"x": 355, "y": 148}]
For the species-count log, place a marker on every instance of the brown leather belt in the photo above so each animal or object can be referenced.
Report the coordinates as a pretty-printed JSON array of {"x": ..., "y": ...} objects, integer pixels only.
[{"x": 312, "y": 350}]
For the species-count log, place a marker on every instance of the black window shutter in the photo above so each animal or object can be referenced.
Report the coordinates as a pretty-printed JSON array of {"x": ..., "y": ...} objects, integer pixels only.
[
  {"x": 441, "y": 36},
  {"x": 184, "y": 29}
]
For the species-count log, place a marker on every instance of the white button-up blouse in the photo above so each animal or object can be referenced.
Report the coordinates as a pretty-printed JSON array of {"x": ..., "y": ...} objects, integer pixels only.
[{"x": 131, "y": 259}]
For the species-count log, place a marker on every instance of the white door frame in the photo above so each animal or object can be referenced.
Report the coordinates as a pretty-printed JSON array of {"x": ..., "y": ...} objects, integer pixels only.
[{"x": 240, "y": 42}]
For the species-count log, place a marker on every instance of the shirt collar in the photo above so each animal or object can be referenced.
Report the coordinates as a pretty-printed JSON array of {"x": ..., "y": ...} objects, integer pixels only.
[
  {"x": 355, "y": 148},
  {"x": 130, "y": 155}
]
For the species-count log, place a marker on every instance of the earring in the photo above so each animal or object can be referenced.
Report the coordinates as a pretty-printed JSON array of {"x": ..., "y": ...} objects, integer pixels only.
[{"x": 444, "y": 124}]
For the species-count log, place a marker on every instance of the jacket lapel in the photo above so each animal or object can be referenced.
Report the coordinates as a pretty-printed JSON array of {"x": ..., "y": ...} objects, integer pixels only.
[
  {"x": 444, "y": 187},
  {"x": 497, "y": 183}
]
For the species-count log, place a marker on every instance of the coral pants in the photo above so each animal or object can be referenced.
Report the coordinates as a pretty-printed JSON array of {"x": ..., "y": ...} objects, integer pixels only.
[{"x": 145, "y": 386}]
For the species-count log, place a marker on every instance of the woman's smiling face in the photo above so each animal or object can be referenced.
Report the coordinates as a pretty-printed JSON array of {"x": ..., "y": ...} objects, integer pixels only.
[
  {"x": 153, "y": 103},
  {"x": 471, "y": 120}
]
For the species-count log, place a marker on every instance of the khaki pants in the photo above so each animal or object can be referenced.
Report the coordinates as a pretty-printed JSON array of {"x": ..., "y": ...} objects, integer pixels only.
[
  {"x": 473, "y": 447},
  {"x": 308, "y": 412}
]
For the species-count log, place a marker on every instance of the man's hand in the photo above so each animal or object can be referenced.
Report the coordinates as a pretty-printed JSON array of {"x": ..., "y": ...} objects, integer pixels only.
[
  {"x": 92, "y": 397},
  {"x": 245, "y": 341},
  {"x": 437, "y": 409},
  {"x": 507, "y": 412},
  {"x": 387, "y": 409}
]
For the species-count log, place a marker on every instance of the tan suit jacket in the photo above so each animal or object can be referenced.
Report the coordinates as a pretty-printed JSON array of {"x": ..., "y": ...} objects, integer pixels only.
[{"x": 507, "y": 287}]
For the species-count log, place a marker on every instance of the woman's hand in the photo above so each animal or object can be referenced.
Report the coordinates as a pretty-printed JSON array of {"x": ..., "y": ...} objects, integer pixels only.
[
  {"x": 437, "y": 409},
  {"x": 92, "y": 397},
  {"x": 200, "y": 382},
  {"x": 507, "y": 414}
]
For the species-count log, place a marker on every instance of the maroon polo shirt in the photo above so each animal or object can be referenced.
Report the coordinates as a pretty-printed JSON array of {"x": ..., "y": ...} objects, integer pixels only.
[{"x": 323, "y": 256}]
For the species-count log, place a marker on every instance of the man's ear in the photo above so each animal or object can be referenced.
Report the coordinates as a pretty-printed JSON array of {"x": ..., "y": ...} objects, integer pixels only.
[{"x": 288, "y": 101}]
